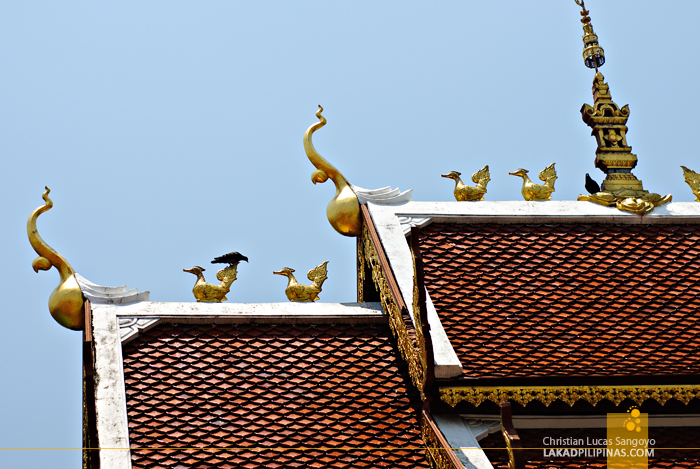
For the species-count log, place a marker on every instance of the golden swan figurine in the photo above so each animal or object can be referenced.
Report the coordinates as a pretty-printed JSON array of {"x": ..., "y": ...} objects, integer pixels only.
[
  {"x": 693, "y": 180},
  {"x": 532, "y": 191},
  {"x": 66, "y": 301},
  {"x": 295, "y": 291},
  {"x": 464, "y": 192},
  {"x": 209, "y": 293}
]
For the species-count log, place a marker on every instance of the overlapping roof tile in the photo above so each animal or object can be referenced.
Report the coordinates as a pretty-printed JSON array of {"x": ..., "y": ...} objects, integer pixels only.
[
  {"x": 520, "y": 300},
  {"x": 269, "y": 396}
]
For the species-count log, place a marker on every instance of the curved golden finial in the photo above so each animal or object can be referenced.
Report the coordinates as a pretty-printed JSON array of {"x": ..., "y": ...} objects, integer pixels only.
[
  {"x": 343, "y": 210},
  {"x": 66, "y": 301}
]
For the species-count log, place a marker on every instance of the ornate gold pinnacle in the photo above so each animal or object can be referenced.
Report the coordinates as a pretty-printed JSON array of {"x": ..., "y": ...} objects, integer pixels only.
[
  {"x": 593, "y": 54},
  {"x": 613, "y": 156}
]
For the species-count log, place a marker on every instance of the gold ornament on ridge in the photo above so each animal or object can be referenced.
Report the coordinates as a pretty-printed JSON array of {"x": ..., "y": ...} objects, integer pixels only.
[
  {"x": 464, "y": 192},
  {"x": 304, "y": 293},
  {"x": 593, "y": 54},
  {"x": 343, "y": 211},
  {"x": 621, "y": 188},
  {"x": 66, "y": 301},
  {"x": 208, "y": 293},
  {"x": 532, "y": 191},
  {"x": 693, "y": 180}
]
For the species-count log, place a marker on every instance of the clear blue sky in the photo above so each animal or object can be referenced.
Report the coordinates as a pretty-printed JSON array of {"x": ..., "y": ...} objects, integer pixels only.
[{"x": 170, "y": 132}]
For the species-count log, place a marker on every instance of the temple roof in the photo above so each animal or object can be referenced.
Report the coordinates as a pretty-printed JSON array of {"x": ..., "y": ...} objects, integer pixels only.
[
  {"x": 566, "y": 300},
  {"x": 264, "y": 392}
]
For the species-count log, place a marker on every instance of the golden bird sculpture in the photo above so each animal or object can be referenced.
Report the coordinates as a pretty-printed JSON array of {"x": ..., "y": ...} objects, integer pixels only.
[
  {"x": 532, "y": 191},
  {"x": 693, "y": 180},
  {"x": 206, "y": 292},
  {"x": 301, "y": 293},
  {"x": 464, "y": 192}
]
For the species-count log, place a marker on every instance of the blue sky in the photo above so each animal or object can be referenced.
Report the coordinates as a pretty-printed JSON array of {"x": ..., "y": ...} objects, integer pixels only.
[{"x": 170, "y": 132}]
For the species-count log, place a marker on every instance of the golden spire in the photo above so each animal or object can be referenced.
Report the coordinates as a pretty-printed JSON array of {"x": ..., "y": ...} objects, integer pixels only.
[
  {"x": 614, "y": 156},
  {"x": 593, "y": 54},
  {"x": 66, "y": 301}
]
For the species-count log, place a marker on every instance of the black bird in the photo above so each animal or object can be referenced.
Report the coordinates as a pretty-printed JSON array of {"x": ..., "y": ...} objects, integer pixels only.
[
  {"x": 232, "y": 258},
  {"x": 591, "y": 186}
]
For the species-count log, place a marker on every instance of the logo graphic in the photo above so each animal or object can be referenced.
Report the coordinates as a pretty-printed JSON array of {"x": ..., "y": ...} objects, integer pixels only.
[{"x": 628, "y": 440}]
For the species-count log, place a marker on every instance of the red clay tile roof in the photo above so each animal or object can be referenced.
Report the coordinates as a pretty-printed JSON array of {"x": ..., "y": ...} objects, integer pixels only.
[
  {"x": 675, "y": 438},
  {"x": 258, "y": 389},
  {"x": 567, "y": 300}
]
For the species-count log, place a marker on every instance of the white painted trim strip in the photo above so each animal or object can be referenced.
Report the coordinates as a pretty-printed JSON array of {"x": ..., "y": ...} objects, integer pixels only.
[
  {"x": 447, "y": 364},
  {"x": 110, "y": 393},
  {"x": 461, "y": 438}
]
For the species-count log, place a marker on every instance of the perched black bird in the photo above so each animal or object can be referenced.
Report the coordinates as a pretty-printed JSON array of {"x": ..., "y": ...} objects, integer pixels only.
[
  {"x": 231, "y": 258},
  {"x": 591, "y": 186}
]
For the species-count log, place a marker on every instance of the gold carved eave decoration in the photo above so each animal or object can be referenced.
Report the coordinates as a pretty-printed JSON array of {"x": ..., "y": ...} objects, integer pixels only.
[
  {"x": 570, "y": 395},
  {"x": 410, "y": 340},
  {"x": 439, "y": 452}
]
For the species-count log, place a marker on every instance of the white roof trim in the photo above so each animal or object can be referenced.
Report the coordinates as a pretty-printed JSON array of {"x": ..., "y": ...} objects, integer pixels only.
[
  {"x": 423, "y": 213},
  {"x": 110, "y": 392},
  {"x": 98, "y": 294},
  {"x": 391, "y": 235},
  {"x": 462, "y": 441}
]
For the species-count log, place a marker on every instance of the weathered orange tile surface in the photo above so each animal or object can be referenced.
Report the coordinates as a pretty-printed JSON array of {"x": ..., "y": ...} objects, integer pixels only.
[
  {"x": 254, "y": 396},
  {"x": 567, "y": 300}
]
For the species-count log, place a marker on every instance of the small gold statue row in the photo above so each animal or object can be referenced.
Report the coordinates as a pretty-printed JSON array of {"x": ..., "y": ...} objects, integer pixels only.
[
  {"x": 208, "y": 293},
  {"x": 530, "y": 190}
]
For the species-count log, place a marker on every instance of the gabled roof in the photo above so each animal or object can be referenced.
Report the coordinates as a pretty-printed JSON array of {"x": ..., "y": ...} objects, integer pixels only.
[
  {"x": 251, "y": 385},
  {"x": 567, "y": 300},
  {"x": 264, "y": 392}
]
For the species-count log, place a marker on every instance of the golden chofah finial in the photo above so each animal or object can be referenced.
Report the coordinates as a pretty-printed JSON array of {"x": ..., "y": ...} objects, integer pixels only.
[
  {"x": 532, "y": 191},
  {"x": 303, "y": 293},
  {"x": 693, "y": 180},
  {"x": 343, "y": 210},
  {"x": 206, "y": 292},
  {"x": 468, "y": 193},
  {"x": 593, "y": 54},
  {"x": 66, "y": 302}
]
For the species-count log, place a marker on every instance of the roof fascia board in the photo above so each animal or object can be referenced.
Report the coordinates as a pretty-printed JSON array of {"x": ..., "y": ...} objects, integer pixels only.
[
  {"x": 398, "y": 252},
  {"x": 462, "y": 441},
  {"x": 423, "y": 213},
  {"x": 110, "y": 392},
  {"x": 137, "y": 318}
]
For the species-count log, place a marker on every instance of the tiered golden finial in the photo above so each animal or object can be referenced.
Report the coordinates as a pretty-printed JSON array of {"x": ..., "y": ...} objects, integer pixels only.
[
  {"x": 66, "y": 301},
  {"x": 464, "y": 192},
  {"x": 593, "y": 54},
  {"x": 614, "y": 156}
]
